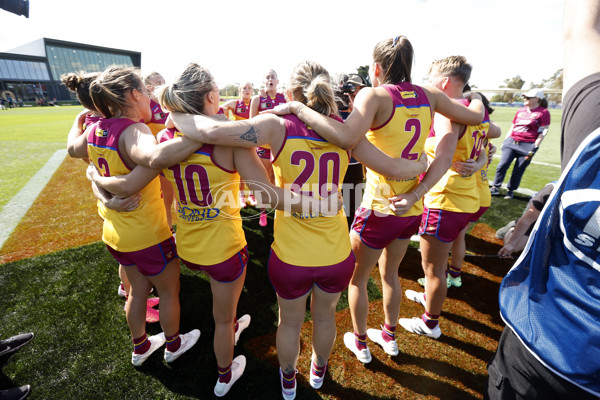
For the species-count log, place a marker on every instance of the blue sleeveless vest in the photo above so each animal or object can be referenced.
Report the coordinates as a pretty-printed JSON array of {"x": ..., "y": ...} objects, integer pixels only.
[{"x": 551, "y": 296}]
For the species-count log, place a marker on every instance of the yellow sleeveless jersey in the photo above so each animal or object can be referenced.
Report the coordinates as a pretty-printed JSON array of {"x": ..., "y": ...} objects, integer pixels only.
[
  {"x": 209, "y": 225},
  {"x": 159, "y": 117},
  {"x": 146, "y": 225},
  {"x": 402, "y": 136},
  {"x": 89, "y": 121},
  {"x": 155, "y": 128},
  {"x": 454, "y": 192},
  {"x": 483, "y": 186},
  {"x": 308, "y": 164}
]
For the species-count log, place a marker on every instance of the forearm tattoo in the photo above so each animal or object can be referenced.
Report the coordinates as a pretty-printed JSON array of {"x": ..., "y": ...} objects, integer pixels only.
[{"x": 250, "y": 136}]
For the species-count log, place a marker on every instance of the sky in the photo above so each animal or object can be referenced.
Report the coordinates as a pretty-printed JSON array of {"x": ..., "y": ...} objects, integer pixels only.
[{"x": 239, "y": 41}]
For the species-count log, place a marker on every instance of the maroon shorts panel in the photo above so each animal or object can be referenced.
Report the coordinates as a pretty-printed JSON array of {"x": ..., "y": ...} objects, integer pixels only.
[
  {"x": 444, "y": 225},
  {"x": 475, "y": 217},
  {"x": 150, "y": 261},
  {"x": 293, "y": 281},
  {"x": 378, "y": 230},
  {"x": 226, "y": 271}
]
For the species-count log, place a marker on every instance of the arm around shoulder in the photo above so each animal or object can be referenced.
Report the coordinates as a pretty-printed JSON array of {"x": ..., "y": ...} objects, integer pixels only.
[
  {"x": 452, "y": 109},
  {"x": 394, "y": 168},
  {"x": 76, "y": 139}
]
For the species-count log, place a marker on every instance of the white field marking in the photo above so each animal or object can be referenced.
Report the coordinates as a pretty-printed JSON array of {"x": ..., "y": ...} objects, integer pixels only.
[
  {"x": 15, "y": 209},
  {"x": 535, "y": 162}
]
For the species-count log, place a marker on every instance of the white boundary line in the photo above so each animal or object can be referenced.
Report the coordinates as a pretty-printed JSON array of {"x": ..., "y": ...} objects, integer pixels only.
[
  {"x": 534, "y": 162},
  {"x": 17, "y": 207}
]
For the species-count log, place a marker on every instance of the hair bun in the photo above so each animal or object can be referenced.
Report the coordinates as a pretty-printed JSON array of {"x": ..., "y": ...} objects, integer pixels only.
[{"x": 71, "y": 81}]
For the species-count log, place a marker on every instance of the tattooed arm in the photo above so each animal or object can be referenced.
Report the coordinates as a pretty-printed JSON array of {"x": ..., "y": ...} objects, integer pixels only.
[{"x": 258, "y": 131}]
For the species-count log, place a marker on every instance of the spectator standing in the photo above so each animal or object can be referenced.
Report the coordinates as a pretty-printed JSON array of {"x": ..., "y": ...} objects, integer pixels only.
[{"x": 529, "y": 127}]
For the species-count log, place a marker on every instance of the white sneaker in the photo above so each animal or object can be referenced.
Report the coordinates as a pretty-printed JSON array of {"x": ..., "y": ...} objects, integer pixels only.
[
  {"x": 364, "y": 356},
  {"x": 417, "y": 297},
  {"x": 416, "y": 325},
  {"x": 188, "y": 340},
  {"x": 390, "y": 347},
  {"x": 316, "y": 381},
  {"x": 243, "y": 323},
  {"x": 456, "y": 282},
  {"x": 288, "y": 394},
  {"x": 156, "y": 342},
  {"x": 237, "y": 369}
]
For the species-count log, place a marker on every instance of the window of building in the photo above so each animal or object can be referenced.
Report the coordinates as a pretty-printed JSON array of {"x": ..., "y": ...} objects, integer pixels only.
[
  {"x": 23, "y": 70},
  {"x": 3, "y": 69}
]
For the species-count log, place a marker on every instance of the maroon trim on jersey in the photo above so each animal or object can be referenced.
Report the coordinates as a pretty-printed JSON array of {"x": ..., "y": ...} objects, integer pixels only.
[
  {"x": 241, "y": 104},
  {"x": 166, "y": 134},
  {"x": 89, "y": 120},
  {"x": 155, "y": 108},
  {"x": 394, "y": 91},
  {"x": 112, "y": 140},
  {"x": 465, "y": 103},
  {"x": 211, "y": 148},
  {"x": 288, "y": 125},
  {"x": 391, "y": 115}
]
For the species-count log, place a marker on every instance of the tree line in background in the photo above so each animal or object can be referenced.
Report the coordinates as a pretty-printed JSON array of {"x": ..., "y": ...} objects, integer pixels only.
[{"x": 554, "y": 82}]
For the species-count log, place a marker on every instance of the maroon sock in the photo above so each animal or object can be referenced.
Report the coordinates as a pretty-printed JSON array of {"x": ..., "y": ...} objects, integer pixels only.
[
  {"x": 224, "y": 374},
  {"x": 361, "y": 341},
  {"x": 236, "y": 326},
  {"x": 431, "y": 320},
  {"x": 173, "y": 342},
  {"x": 289, "y": 380},
  {"x": 319, "y": 371},
  {"x": 141, "y": 344},
  {"x": 454, "y": 271},
  {"x": 388, "y": 333}
]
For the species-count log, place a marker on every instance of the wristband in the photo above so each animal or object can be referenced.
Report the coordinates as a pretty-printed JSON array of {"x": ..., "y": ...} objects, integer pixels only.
[{"x": 418, "y": 197}]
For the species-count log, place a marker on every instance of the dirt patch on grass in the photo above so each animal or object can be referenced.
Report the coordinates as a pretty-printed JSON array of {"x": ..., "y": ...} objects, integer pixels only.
[{"x": 63, "y": 216}]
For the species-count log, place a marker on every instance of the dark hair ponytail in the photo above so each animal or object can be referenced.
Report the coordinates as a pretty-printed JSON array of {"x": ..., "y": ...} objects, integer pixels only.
[{"x": 395, "y": 57}]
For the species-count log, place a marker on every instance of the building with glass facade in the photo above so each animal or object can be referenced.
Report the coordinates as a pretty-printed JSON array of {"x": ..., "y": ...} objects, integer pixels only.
[{"x": 32, "y": 72}]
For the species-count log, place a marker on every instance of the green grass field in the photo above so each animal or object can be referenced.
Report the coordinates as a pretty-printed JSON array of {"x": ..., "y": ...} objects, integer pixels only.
[
  {"x": 536, "y": 176},
  {"x": 29, "y": 136},
  {"x": 82, "y": 345}
]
